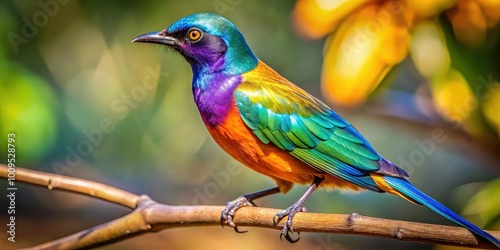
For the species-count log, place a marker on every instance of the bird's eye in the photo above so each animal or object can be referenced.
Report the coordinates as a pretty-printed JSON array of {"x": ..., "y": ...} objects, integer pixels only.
[{"x": 194, "y": 35}]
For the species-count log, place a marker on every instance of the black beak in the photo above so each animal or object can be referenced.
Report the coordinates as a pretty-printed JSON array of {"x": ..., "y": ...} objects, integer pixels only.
[{"x": 157, "y": 37}]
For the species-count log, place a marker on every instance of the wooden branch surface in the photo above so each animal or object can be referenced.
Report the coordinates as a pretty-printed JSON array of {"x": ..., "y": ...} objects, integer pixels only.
[{"x": 150, "y": 216}]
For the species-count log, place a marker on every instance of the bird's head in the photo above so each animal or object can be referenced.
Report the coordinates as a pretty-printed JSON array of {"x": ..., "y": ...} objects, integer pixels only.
[{"x": 209, "y": 42}]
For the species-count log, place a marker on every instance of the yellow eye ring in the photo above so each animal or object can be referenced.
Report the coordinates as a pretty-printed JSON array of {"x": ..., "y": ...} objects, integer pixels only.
[{"x": 194, "y": 35}]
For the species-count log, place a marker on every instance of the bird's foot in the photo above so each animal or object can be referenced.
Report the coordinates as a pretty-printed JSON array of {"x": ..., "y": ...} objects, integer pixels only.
[
  {"x": 288, "y": 228},
  {"x": 230, "y": 210}
]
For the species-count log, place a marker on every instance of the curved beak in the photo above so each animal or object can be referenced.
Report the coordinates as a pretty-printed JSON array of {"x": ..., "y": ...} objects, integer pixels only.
[{"x": 157, "y": 37}]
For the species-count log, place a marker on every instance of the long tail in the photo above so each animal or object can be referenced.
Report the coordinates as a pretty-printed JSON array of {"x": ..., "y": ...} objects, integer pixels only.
[{"x": 410, "y": 192}]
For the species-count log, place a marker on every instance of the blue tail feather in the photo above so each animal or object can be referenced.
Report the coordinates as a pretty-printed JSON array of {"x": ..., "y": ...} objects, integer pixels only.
[{"x": 406, "y": 188}]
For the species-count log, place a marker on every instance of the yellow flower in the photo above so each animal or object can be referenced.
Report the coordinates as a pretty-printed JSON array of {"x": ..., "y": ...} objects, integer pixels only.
[
  {"x": 367, "y": 38},
  {"x": 453, "y": 96},
  {"x": 469, "y": 22},
  {"x": 353, "y": 58},
  {"x": 315, "y": 19}
]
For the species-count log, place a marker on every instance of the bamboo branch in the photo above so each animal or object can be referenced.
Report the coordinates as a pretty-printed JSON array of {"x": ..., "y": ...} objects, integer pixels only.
[{"x": 150, "y": 216}]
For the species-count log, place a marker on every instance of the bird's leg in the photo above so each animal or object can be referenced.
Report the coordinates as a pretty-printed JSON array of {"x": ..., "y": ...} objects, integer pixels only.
[
  {"x": 242, "y": 201},
  {"x": 293, "y": 209}
]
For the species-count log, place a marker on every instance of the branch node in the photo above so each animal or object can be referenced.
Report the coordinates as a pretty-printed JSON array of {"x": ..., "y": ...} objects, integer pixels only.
[
  {"x": 49, "y": 184},
  {"x": 398, "y": 233},
  {"x": 144, "y": 201}
]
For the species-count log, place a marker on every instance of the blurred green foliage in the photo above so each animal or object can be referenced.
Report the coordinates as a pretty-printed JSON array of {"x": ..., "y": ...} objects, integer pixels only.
[{"x": 86, "y": 102}]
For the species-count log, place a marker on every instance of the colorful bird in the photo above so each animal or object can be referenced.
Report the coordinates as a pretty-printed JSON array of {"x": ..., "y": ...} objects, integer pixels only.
[{"x": 277, "y": 129}]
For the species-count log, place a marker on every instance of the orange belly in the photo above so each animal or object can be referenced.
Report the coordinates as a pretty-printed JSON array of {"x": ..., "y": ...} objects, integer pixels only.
[{"x": 240, "y": 142}]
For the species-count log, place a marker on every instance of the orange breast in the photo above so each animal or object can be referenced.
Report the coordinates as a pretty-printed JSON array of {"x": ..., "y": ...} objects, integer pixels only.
[{"x": 240, "y": 142}]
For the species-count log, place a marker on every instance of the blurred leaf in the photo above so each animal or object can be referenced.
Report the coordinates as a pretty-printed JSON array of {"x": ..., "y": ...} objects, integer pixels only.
[
  {"x": 28, "y": 109},
  {"x": 6, "y": 31},
  {"x": 428, "y": 50},
  {"x": 486, "y": 205}
]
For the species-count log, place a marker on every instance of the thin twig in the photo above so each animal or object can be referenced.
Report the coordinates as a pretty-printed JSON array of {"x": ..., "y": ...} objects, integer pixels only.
[{"x": 75, "y": 185}]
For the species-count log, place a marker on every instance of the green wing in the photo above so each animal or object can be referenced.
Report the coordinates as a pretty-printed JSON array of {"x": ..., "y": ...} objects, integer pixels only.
[{"x": 293, "y": 120}]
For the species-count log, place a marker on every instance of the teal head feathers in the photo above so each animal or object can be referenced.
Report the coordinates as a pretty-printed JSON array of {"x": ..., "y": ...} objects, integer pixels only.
[{"x": 209, "y": 42}]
